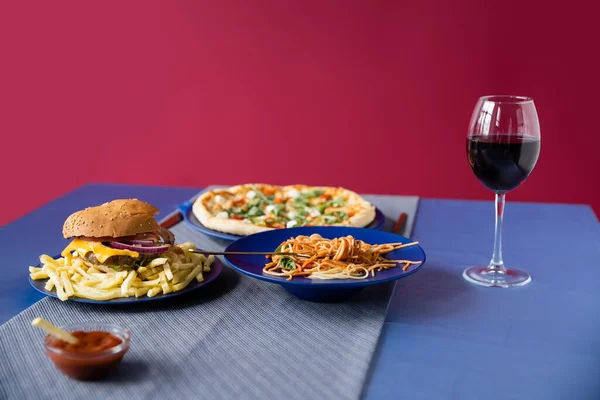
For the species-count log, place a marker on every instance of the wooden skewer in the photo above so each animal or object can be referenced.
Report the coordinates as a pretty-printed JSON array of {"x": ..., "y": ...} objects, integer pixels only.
[
  {"x": 273, "y": 253},
  {"x": 401, "y": 245},
  {"x": 400, "y": 223},
  {"x": 248, "y": 253},
  {"x": 54, "y": 330}
]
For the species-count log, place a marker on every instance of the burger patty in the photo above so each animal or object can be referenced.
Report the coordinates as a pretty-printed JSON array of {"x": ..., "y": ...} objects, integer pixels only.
[{"x": 120, "y": 261}]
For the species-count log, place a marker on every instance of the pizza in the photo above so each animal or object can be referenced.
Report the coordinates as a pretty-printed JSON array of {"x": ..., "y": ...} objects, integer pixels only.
[{"x": 252, "y": 208}]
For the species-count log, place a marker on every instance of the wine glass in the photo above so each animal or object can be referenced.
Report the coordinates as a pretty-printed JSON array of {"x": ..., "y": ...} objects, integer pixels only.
[{"x": 503, "y": 145}]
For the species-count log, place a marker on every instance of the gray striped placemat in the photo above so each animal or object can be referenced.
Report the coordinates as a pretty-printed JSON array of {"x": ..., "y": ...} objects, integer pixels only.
[{"x": 238, "y": 338}]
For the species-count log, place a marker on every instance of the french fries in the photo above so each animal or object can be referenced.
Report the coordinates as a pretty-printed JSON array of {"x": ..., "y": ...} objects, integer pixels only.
[
  {"x": 168, "y": 271},
  {"x": 173, "y": 272},
  {"x": 49, "y": 285},
  {"x": 157, "y": 262}
]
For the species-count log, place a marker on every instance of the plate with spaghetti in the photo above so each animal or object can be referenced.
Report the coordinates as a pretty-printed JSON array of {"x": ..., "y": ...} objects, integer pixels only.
[{"x": 326, "y": 263}]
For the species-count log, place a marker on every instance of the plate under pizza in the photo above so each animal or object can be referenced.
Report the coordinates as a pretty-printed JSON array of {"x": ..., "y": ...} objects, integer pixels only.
[{"x": 190, "y": 214}]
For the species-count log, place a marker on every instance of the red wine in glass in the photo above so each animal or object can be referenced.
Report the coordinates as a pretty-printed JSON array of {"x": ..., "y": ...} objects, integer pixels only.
[
  {"x": 502, "y": 161},
  {"x": 503, "y": 145}
]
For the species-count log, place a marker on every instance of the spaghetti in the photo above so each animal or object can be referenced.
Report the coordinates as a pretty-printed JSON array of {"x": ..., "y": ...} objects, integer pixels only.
[{"x": 339, "y": 258}]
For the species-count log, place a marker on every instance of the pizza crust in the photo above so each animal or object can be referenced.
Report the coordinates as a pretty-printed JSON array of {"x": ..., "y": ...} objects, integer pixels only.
[{"x": 362, "y": 218}]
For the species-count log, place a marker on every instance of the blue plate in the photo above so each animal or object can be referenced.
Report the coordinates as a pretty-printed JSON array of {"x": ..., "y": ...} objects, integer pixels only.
[
  {"x": 215, "y": 270},
  {"x": 190, "y": 218},
  {"x": 316, "y": 289}
]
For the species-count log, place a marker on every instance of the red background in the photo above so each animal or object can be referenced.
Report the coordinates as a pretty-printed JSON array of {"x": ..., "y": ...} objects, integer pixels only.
[{"x": 372, "y": 95}]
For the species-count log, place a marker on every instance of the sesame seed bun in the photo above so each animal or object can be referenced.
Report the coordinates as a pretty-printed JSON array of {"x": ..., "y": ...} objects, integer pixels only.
[{"x": 125, "y": 217}]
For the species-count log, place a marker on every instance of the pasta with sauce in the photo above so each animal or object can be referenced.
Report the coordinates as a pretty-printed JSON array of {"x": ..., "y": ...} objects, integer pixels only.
[{"x": 316, "y": 257}]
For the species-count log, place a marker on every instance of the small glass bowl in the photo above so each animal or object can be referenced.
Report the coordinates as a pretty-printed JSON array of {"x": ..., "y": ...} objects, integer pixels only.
[{"x": 89, "y": 366}]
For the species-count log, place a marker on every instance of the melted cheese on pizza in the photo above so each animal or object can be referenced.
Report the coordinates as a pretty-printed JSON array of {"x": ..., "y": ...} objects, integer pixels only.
[{"x": 281, "y": 207}]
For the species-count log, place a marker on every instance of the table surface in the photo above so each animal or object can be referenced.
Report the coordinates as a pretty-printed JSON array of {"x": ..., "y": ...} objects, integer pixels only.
[{"x": 443, "y": 337}]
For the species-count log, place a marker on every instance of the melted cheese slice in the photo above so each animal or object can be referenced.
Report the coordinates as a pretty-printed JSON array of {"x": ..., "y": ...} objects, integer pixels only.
[{"x": 101, "y": 251}]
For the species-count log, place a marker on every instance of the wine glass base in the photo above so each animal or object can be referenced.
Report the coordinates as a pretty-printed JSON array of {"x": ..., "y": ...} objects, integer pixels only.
[{"x": 485, "y": 277}]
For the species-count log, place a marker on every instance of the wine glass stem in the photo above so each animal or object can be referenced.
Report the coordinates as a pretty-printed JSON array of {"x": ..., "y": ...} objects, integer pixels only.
[{"x": 496, "y": 264}]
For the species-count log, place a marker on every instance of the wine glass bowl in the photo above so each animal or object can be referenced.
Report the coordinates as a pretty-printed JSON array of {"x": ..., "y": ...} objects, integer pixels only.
[
  {"x": 503, "y": 161},
  {"x": 503, "y": 146}
]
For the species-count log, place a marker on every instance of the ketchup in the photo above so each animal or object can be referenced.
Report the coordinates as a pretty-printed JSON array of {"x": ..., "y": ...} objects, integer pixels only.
[{"x": 94, "y": 356}]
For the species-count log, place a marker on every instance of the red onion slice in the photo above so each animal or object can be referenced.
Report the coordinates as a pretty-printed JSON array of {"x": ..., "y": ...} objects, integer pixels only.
[
  {"x": 145, "y": 243},
  {"x": 139, "y": 249}
]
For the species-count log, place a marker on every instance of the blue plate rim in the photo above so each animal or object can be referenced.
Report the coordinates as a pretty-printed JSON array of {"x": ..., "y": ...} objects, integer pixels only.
[
  {"x": 186, "y": 211},
  {"x": 329, "y": 283},
  {"x": 215, "y": 271}
]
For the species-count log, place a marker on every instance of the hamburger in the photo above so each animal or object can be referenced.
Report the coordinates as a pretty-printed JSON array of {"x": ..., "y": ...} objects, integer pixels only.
[{"x": 116, "y": 236}]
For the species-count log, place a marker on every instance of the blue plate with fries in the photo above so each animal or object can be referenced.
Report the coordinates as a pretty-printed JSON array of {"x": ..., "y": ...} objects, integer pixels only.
[{"x": 215, "y": 269}]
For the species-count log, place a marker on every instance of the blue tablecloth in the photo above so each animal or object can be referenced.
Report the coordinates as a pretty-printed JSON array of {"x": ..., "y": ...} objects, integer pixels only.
[{"x": 443, "y": 338}]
